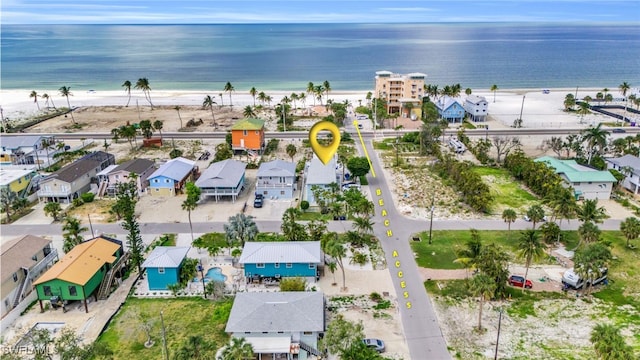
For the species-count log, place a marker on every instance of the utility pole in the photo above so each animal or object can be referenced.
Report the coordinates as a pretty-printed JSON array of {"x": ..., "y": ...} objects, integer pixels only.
[
  {"x": 284, "y": 118},
  {"x": 495, "y": 357},
  {"x": 164, "y": 339},
  {"x": 521, "y": 108},
  {"x": 433, "y": 198},
  {"x": 397, "y": 146},
  {"x": 93, "y": 235}
]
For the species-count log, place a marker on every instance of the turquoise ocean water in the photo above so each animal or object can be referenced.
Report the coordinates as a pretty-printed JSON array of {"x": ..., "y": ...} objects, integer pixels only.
[{"x": 288, "y": 56}]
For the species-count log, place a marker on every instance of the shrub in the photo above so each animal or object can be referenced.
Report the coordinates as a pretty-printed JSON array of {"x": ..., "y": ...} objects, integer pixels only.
[
  {"x": 87, "y": 197},
  {"x": 374, "y": 296},
  {"x": 304, "y": 205},
  {"x": 77, "y": 202},
  {"x": 293, "y": 284}
]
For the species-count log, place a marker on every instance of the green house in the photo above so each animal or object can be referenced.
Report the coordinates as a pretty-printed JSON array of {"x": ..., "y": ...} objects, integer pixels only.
[{"x": 81, "y": 272}]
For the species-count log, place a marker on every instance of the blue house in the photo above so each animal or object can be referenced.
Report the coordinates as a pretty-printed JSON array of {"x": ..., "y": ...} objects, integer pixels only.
[
  {"x": 281, "y": 259},
  {"x": 450, "y": 109},
  {"x": 163, "y": 266},
  {"x": 321, "y": 175},
  {"x": 171, "y": 177},
  {"x": 276, "y": 178}
]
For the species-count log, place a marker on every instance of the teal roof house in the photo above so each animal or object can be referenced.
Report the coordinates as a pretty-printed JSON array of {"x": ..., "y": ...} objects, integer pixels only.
[
  {"x": 281, "y": 259},
  {"x": 163, "y": 266},
  {"x": 279, "y": 325},
  {"x": 587, "y": 182}
]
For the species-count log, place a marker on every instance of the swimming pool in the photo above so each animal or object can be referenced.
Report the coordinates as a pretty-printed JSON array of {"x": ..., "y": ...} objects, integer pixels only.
[{"x": 215, "y": 274}]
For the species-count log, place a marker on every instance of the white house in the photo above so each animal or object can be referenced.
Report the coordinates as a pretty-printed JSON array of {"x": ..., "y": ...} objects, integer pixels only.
[
  {"x": 629, "y": 166},
  {"x": 588, "y": 183},
  {"x": 276, "y": 178},
  {"x": 477, "y": 107},
  {"x": 319, "y": 174}
]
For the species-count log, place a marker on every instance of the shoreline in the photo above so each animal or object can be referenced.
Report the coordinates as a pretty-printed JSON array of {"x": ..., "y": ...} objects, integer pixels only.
[{"x": 16, "y": 103}]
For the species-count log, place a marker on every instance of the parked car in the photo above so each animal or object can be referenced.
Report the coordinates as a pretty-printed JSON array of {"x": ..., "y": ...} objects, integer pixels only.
[
  {"x": 360, "y": 126},
  {"x": 572, "y": 280},
  {"x": 259, "y": 200},
  {"x": 376, "y": 344},
  {"x": 526, "y": 218},
  {"x": 618, "y": 131},
  {"x": 518, "y": 281}
]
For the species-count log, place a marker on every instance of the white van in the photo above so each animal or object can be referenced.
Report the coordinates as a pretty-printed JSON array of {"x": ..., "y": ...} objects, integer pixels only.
[{"x": 573, "y": 280}]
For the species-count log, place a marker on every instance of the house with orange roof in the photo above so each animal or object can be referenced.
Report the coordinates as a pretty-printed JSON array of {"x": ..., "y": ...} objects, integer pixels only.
[
  {"x": 248, "y": 134},
  {"x": 89, "y": 268}
]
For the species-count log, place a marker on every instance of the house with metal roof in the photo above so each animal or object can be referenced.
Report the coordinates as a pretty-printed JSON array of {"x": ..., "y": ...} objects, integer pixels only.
[
  {"x": 321, "y": 175},
  {"x": 276, "y": 179},
  {"x": 248, "y": 134},
  {"x": 171, "y": 177},
  {"x": 23, "y": 260},
  {"x": 450, "y": 109},
  {"x": 163, "y": 266},
  {"x": 477, "y": 107},
  {"x": 17, "y": 181},
  {"x": 587, "y": 182},
  {"x": 281, "y": 259},
  {"x": 87, "y": 269},
  {"x": 222, "y": 178},
  {"x": 110, "y": 177},
  {"x": 282, "y": 325},
  {"x": 28, "y": 149},
  {"x": 629, "y": 166}
]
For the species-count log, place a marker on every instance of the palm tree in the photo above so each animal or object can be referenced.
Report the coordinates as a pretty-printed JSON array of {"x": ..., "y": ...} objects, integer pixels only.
[
  {"x": 609, "y": 343},
  {"x": 311, "y": 89},
  {"x": 318, "y": 91},
  {"x": 363, "y": 225},
  {"x": 129, "y": 132},
  {"x": 253, "y": 92},
  {"x": 327, "y": 88},
  {"x": 221, "y": 100},
  {"x": 46, "y": 98},
  {"x": 569, "y": 102},
  {"x": 208, "y": 103},
  {"x": 468, "y": 255},
  {"x": 143, "y": 84},
  {"x": 35, "y": 95},
  {"x": 303, "y": 98},
  {"x": 248, "y": 112},
  {"x": 177, "y": 108},
  {"x": 72, "y": 233},
  {"x": 229, "y": 88},
  {"x": 583, "y": 110},
  {"x": 630, "y": 228},
  {"x": 53, "y": 209},
  {"x": 335, "y": 248},
  {"x": 596, "y": 138},
  {"x": 158, "y": 125},
  {"x": 66, "y": 92},
  {"x": 509, "y": 216},
  {"x": 291, "y": 151},
  {"x": 535, "y": 215},
  {"x": 563, "y": 205},
  {"x": 468, "y": 91},
  {"x": 624, "y": 87},
  {"x": 238, "y": 349},
  {"x": 530, "y": 248},
  {"x": 494, "y": 88},
  {"x": 589, "y": 211},
  {"x": 483, "y": 287},
  {"x": 240, "y": 229},
  {"x": 294, "y": 98},
  {"x": 191, "y": 202},
  {"x": 262, "y": 97},
  {"x": 127, "y": 89},
  {"x": 588, "y": 232}
]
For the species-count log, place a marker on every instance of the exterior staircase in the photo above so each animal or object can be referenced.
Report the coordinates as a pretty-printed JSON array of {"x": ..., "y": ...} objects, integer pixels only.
[
  {"x": 107, "y": 281},
  {"x": 310, "y": 349},
  {"x": 25, "y": 283}
]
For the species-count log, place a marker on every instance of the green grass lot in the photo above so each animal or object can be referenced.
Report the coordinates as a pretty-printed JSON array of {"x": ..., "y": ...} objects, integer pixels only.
[
  {"x": 507, "y": 192},
  {"x": 183, "y": 317}
]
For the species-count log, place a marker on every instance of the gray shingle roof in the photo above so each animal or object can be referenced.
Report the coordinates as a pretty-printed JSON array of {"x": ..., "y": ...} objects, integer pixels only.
[
  {"x": 136, "y": 166},
  {"x": 75, "y": 170},
  {"x": 226, "y": 173},
  {"x": 18, "y": 253},
  {"x": 627, "y": 160},
  {"x": 277, "y": 168},
  {"x": 166, "y": 257},
  {"x": 281, "y": 252},
  {"x": 321, "y": 174},
  {"x": 11, "y": 142},
  {"x": 277, "y": 311},
  {"x": 176, "y": 169}
]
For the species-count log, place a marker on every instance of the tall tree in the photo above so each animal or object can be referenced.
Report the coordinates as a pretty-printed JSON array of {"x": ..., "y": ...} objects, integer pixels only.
[
  {"x": 72, "y": 233},
  {"x": 535, "y": 213},
  {"x": 327, "y": 87},
  {"x": 469, "y": 254},
  {"x": 530, "y": 248},
  {"x": 291, "y": 150},
  {"x": 590, "y": 211},
  {"x": 363, "y": 225},
  {"x": 630, "y": 228},
  {"x": 240, "y": 229},
  {"x": 341, "y": 334},
  {"x": 311, "y": 89},
  {"x": 596, "y": 139},
  {"x": 158, "y": 125},
  {"x": 191, "y": 202},
  {"x": 248, "y": 112},
  {"x": 563, "y": 205},
  {"x": 127, "y": 88},
  {"x": 335, "y": 248},
  {"x": 588, "y": 232},
  {"x": 143, "y": 84},
  {"x": 177, "y": 108},
  {"x": 624, "y": 87},
  {"x": 208, "y": 103},
  {"x": 494, "y": 88},
  {"x": 126, "y": 199},
  {"x": 53, "y": 209},
  {"x": 609, "y": 344},
  {"x": 253, "y": 92},
  {"x": 35, "y": 95},
  {"x": 509, "y": 216},
  {"x": 229, "y": 89},
  {"x": 483, "y": 287},
  {"x": 66, "y": 92},
  {"x": 290, "y": 228},
  {"x": 590, "y": 261}
]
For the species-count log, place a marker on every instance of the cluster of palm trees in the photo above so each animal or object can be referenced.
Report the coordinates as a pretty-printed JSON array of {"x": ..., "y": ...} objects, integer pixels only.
[
  {"x": 64, "y": 91},
  {"x": 142, "y": 84},
  {"x": 448, "y": 90},
  {"x": 318, "y": 91},
  {"x": 130, "y": 132}
]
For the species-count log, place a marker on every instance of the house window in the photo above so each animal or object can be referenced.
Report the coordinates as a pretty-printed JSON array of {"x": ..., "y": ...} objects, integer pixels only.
[
  {"x": 34, "y": 258},
  {"x": 289, "y": 265},
  {"x": 73, "y": 291},
  {"x": 155, "y": 181},
  {"x": 117, "y": 176},
  {"x": 15, "y": 277},
  {"x": 257, "y": 132},
  {"x": 260, "y": 265},
  {"x": 166, "y": 180},
  {"x": 312, "y": 266},
  {"x": 276, "y": 265},
  {"x": 161, "y": 270},
  {"x": 307, "y": 332},
  {"x": 281, "y": 192},
  {"x": 47, "y": 291},
  {"x": 157, "y": 189},
  {"x": 244, "y": 132}
]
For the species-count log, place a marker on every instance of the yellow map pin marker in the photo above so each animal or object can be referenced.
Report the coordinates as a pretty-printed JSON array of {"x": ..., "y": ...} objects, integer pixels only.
[{"x": 324, "y": 153}]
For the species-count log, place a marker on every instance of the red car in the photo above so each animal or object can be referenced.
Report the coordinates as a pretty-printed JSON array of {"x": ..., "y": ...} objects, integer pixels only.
[{"x": 518, "y": 281}]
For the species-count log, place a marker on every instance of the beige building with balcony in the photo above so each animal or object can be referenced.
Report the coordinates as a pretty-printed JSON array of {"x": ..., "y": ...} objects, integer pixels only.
[{"x": 400, "y": 90}]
